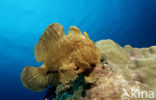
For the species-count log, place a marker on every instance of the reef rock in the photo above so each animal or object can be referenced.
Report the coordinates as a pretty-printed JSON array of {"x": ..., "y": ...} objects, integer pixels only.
[{"x": 126, "y": 73}]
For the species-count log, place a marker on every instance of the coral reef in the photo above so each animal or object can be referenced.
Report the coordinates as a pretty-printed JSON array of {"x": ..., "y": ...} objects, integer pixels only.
[
  {"x": 79, "y": 69},
  {"x": 128, "y": 68},
  {"x": 122, "y": 71},
  {"x": 138, "y": 64},
  {"x": 63, "y": 57}
]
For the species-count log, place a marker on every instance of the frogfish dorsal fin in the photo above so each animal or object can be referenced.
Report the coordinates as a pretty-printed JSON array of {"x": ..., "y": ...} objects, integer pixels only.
[
  {"x": 51, "y": 35},
  {"x": 85, "y": 35},
  {"x": 74, "y": 31}
]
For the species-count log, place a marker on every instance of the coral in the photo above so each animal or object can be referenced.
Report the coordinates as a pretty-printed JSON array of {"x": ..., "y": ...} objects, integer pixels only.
[
  {"x": 63, "y": 57},
  {"x": 77, "y": 94},
  {"x": 78, "y": 88},
  {"x": 72, "y": 91},
  {"x": 62, "y": 88},
  {"x": 128, "y": 68}
]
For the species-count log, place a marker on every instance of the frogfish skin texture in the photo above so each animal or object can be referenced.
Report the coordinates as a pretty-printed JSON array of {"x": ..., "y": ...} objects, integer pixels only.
[{"x": 63, "y": 57}]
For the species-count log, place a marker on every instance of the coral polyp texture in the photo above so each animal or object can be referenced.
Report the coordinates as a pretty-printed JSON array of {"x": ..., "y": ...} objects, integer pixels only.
[
  {"x": 64, "y": 58},
  {"x": 128, "y": 70}
]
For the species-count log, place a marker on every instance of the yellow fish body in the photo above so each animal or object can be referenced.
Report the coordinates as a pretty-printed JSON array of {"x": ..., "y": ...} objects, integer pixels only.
[{"x": 63, "y": 57}]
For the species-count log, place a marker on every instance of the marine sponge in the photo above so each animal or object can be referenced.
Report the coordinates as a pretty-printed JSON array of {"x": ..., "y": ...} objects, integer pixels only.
[{"x": 63, "y": 57}]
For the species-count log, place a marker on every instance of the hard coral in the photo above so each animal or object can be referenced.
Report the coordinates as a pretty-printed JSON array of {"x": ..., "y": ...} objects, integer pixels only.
[
  {"x": 63, "y": 57},
  {"x": 130, "y": 68}
]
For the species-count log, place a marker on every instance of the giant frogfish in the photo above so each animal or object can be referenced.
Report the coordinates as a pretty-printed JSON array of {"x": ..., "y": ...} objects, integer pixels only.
[{"x": 64, "y": 58}]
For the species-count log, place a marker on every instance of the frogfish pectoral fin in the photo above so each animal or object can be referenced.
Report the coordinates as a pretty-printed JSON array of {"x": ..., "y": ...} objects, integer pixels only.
[
  {"x": 67, "y": 73},
  {"x": 53, "y": 78}
]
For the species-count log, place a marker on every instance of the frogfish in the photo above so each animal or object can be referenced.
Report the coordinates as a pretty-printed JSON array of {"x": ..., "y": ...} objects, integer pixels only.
[{"x": 64, "y": 57}]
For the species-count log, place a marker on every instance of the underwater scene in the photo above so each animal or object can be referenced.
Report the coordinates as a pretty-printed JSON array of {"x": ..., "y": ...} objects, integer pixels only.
[{"x": 78, "y": 50}]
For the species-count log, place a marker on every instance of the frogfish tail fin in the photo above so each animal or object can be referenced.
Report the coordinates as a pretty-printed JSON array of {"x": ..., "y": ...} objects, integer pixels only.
[
  {"x": 67, "y": 73},
  {"x": 34, "y": 78}
]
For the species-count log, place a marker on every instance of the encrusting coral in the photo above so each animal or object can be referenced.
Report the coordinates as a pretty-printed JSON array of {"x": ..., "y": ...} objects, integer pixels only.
[
  {"x": 129, "y": 60},
  {"x": 63, "y": 57},
  {"x": 128, "y": 68}
]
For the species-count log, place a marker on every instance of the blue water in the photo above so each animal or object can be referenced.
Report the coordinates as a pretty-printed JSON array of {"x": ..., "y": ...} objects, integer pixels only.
[{"x": 23, "y": 21}]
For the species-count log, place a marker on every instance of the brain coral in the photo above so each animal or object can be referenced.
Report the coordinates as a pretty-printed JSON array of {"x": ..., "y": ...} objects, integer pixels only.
[{"x": 63, "y": 57}]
